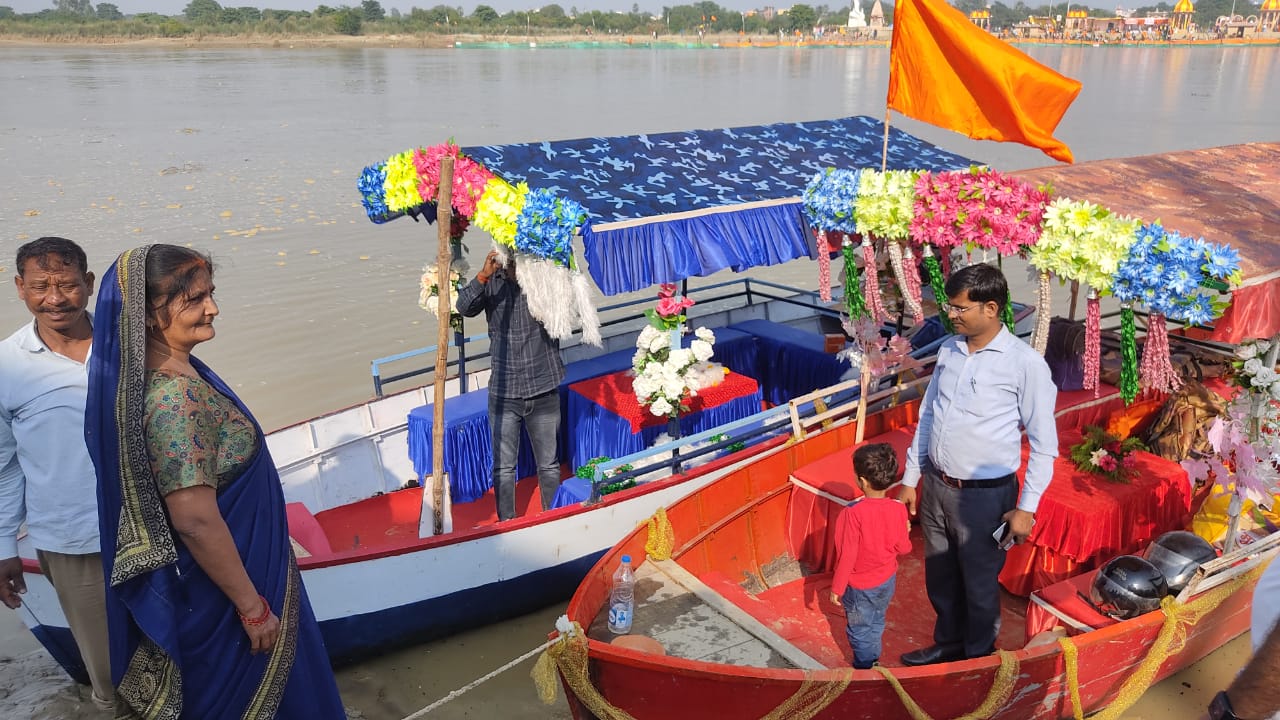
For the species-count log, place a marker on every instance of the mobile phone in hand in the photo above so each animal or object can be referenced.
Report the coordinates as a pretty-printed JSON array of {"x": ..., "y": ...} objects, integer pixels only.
[{"x": 1003, "y": 537}]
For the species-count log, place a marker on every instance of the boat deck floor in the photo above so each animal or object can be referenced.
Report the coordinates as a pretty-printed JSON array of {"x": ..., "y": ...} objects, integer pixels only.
[{"x": 796, "y": 606}]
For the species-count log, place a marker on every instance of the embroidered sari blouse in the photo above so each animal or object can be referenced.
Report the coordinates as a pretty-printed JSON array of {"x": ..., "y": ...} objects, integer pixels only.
[{"x": 195, "y": 435}]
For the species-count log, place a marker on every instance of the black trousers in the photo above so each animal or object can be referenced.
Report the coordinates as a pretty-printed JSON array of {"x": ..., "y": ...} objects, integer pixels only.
[{"x": 962, "y": 562}]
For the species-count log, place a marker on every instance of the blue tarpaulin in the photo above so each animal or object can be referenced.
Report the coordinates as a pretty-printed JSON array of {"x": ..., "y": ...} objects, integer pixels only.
[{"x": 669, "y": 206}]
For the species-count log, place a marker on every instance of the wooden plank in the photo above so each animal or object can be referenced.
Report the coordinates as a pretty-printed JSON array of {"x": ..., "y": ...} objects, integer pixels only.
[
  {"x": 740, "y": 617},
  {"x": 1049, "y": 608}
]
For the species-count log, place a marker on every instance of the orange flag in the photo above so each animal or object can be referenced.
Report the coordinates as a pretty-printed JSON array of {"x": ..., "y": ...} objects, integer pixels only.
[{"x": 946, "y": 71}]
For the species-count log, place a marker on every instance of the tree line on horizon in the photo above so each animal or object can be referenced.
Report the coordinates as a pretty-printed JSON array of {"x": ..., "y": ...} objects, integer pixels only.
[{"x": 207, "y": 17}]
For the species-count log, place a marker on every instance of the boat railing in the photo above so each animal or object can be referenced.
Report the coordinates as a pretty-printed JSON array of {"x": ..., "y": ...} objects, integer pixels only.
[
  {"x": 715, "y": 295},
  {"x": 812, "y": 410},
  {"x": 1231, "y": 565}
]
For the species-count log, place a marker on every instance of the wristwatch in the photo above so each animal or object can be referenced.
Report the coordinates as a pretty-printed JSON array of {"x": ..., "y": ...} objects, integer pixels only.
[{"x": 1220, "y": 708}]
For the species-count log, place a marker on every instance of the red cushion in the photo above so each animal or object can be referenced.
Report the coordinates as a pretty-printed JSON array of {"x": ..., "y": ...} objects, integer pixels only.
[
  {"x": 304, "y": 528},
  {"x": 833, "y": 473}
]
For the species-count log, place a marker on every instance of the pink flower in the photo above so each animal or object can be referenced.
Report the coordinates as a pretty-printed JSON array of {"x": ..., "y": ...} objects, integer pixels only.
[
  {"x": 667, "y": 290},
  {"x": 1129, "y": 462},
  {"x": 1107, "y": 463}
]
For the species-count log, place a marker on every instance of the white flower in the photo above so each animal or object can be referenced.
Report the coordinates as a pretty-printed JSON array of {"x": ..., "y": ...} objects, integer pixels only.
[
  {"x": 660, "y": 407},
  {"x": 1247, "y": 351},
  {"x": 659, "y": 341},
  {"x": 1263, "y": 378},
  {"x": 705, "y": 334},
  {"x": 673, "y": 388},
  {"x": 1262, "y": 345},
  {"x": 639, "y": 357},
  {"x": 1275, "y": 391},
  {"x": 646, "y": 336},
  {"x": 644, "y": 387},
  {"x": 1252, "y": 367},
  {"x": 701, "y": 349},
  {"x": 1098, "y": 455},
  {"x": 681, "y": 359}
]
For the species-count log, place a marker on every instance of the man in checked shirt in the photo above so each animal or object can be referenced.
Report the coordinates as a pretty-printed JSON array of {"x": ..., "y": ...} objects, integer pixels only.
[{"x": 524, "y": 383}]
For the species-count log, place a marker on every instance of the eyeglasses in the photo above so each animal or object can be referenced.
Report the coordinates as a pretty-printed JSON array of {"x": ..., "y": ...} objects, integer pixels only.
[{"x": 950, "y": 309}]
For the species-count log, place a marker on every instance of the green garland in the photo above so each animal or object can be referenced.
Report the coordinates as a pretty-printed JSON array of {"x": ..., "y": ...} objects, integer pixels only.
[
  {"x": 855, "y": 304},
  {"x": 939, "y": 288},
  {"x": 1006, "y": 314},
  {"x": 1128, "y": 355},
  {"x": 615, "y": 487}
]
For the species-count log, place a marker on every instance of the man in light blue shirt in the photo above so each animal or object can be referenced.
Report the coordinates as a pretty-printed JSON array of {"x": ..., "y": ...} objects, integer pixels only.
[
  {"x": 46, "y": 476},
  {"x": 988, "y": 385}
]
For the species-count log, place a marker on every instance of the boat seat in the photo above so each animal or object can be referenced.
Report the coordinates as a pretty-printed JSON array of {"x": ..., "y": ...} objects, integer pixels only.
[
  {"x": 1063, "y": 604},
  {"x": 305, "y": 530},
  {"x": 832, "y": 475}
]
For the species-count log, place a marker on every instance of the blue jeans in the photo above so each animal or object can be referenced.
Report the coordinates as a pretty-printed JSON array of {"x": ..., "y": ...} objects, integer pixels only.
[
  {"x": 540, "y": 416},
  {"x": 864, "y": 612}
]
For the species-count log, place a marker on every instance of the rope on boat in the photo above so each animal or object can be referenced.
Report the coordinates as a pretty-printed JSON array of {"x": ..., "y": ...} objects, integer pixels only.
[
  {"x": 1178, "y": 619},
  {"x": 997, "y": 696},
  {"x": 1071, "y": 658},
  {"x": 480, "y": 681},
  {"x": 662, "y": 538}
]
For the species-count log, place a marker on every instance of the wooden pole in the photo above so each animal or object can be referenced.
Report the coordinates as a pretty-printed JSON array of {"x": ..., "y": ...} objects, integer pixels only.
[
  {"x": 884, "y": 149},
  {"x": 444, "y": 222},
  {"x": 1075, "y": 295}
]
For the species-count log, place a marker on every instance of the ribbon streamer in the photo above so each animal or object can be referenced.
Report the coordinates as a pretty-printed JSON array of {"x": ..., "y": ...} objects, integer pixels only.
[
  {"x": 938, "y": 285},
  {"x": 1157, "y": 367},
  {"x": 1128, "y": 354},
  {"x": 1092, "y": 341},
  {"x": 871, "y": 282},
  {"x": 824, "y": 266},
  {"x": 1006, "y": 314}
]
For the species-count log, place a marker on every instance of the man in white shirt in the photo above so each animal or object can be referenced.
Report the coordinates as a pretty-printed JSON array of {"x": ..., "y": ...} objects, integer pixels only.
[{"x": 46, "y": 476}]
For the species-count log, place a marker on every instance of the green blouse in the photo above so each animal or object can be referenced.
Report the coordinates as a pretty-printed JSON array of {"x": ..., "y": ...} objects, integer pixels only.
[{"x": 195, "y": 435}]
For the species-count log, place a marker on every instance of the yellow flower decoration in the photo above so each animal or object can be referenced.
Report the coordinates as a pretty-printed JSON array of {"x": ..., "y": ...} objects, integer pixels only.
[
  {"x": 498, "y": 208},
  {"x": 401, "y": 186}
]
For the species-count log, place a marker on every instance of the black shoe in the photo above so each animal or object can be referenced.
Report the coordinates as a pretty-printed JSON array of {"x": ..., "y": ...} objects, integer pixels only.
[{"x": 934, "y": 654}]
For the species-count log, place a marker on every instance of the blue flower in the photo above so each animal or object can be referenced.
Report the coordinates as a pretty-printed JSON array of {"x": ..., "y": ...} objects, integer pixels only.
[
  {"x": 371, "y": 193},
  {"x": 829, "y": 200},
  {"x": 546, "y": 226},
  {"x": 1223, "y": 260},
  {"x": 1199, "y": 311}
]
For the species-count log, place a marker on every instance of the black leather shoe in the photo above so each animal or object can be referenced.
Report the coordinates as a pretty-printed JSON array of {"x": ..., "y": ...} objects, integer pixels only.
[{"x": 934, "y": 654}]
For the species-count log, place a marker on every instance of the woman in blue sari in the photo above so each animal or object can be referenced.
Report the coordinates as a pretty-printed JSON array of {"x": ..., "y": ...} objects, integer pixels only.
[{"x": 206, "y": 611}]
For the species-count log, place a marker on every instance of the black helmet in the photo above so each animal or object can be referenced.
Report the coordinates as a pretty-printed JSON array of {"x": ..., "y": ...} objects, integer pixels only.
[
  {"x": 1126, "y": 587},
  {"x": 1177, "y": 555}
]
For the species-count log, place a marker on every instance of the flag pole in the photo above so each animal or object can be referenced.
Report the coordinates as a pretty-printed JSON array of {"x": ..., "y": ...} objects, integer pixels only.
[{"x": 865, "y": 376}]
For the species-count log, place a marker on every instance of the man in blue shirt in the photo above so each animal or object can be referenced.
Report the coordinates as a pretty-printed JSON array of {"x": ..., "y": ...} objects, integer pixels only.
[
  {"x": 988, "y": 385},
  {"x": 46, "y": 476}
]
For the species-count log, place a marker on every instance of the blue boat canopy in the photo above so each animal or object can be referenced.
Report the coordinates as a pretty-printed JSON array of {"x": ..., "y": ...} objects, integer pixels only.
[{"x": 669, "y": 206}]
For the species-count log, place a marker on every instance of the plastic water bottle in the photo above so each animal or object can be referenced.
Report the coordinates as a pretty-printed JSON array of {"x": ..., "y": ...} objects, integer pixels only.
[{"x": 622, "y": 600}]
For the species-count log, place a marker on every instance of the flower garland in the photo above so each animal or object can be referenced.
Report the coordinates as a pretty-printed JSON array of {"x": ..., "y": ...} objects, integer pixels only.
[
  {"x": 498, "y": 209},
  {"x": 666, "y": 376},
  {"x": 884, "y": 210},
  {"x": 1102, "y": 453},
  {"x": 546, "y": 226},
  {"x": 371, "y": 186},
  {"x": 1166, "y": 272},
  {"x": 977, "y": 208},
  {"x": 429, "y": 291},
  {"x": 400, "y": 189},
  {"x": 828, "y": 204},
  {"x": 469, "y": 177}
]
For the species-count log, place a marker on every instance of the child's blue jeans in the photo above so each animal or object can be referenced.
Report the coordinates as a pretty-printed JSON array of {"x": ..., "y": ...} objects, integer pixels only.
[{"x": 864, "y": 612}]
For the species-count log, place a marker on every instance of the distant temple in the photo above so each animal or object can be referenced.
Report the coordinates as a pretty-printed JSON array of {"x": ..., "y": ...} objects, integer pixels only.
[
  {"x": 981, "y": 18},
  {"x": 877, "y": 15},
  {"x": 1182, "y": 13},
  {"x": 1269, "y": 19},
  {"x": 857, "y": 19}
]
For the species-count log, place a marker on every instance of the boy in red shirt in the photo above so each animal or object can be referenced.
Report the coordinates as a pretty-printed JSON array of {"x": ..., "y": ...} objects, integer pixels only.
[{"x": 870, "y": 535}]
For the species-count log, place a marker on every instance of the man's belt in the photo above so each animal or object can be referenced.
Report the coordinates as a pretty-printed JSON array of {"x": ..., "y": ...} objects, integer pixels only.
[{"x": 985, "y": 483}]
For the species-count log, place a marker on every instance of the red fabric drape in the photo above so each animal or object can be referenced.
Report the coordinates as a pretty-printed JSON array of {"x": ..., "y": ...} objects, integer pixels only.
[{"x": 614, "y": 392}]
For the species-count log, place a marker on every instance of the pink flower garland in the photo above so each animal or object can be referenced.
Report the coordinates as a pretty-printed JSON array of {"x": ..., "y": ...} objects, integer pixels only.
[
  {"x": 1092, "y": 342},
  {"x": 871, "y": 283},
  {"x": 912, "y": 269},
  {"x": 469, "y": 176},
  {"x": 1157, "y": 368},
  {"x": 912, "y": 302},
  {"x": 824, "y": 266},
  {"x": 977, "y": 208}
]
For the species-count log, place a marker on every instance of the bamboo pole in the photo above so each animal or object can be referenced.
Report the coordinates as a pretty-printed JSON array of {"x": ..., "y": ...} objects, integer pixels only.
[{"x": 444, "y": 222}]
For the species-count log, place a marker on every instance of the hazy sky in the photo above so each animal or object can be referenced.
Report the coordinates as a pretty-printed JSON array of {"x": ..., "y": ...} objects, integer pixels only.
[{"x": 174, "y": 7}]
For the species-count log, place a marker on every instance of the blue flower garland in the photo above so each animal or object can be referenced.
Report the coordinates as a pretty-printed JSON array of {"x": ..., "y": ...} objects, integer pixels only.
[
  {"x": 546, "y": 226},
  {"x": 829, "y": 200},
  {"x": 1166, "y": 271},
  {"x": 370, "y": 186}
]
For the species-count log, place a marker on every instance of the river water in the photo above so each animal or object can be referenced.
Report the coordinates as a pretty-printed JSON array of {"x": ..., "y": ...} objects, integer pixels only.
[{"x": 252, "y": 155}]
